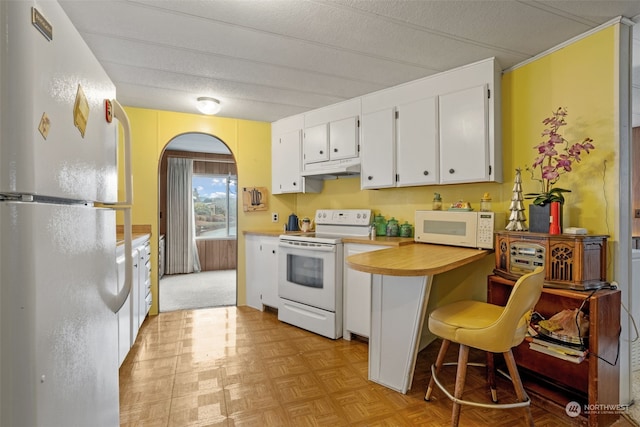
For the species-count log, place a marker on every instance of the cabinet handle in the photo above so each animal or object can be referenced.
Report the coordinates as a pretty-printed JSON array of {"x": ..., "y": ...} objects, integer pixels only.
[
  {"x": 335, "y": 150},
  {"x": 369, "y": 177},
  {"x": 273, "y": 251},
  {"x": 451, "y": 171},
  {"x": 321, "y": 152},
  {"x": 425, "y": 173},
  {"x": 294, "y": 183}
]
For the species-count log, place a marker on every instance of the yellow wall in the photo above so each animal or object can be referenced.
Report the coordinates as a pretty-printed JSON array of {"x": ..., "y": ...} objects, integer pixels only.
[
  {"x": 579, "y": 77},
  {"x": 250, "y": 143}
]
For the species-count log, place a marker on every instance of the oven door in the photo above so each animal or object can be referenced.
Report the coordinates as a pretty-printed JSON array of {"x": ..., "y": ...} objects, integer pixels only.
[{"x": 308, "y": 273}]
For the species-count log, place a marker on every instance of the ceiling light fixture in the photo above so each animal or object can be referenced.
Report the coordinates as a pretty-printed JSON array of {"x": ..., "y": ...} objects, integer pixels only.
[{"x": 208, "y": 105}]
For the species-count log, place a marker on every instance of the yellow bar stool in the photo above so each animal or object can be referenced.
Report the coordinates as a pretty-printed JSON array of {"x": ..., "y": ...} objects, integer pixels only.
[{"x": 490, "y": 328}]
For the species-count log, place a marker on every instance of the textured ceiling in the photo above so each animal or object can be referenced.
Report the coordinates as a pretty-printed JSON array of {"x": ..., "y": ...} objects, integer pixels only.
[{"x": 269, "y": 59}]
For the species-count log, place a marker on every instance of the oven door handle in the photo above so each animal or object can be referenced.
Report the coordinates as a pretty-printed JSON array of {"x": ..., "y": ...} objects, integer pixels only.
[{"x": 312, "y": 247}]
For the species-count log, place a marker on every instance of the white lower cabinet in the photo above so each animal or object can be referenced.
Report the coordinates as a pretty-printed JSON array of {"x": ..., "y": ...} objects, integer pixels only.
[
  {"x": 262, "y": 271},
  {"x": 161, "y": 251},
  {"x": 124, "y": 314},
  {"x": 357, "y": 294},
  {"x": 144, "y": 281},
  {"x": 136, "y": 307}
]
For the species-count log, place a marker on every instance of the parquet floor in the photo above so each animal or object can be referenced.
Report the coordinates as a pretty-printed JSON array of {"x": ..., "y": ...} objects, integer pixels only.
[{"x": 236, "y": 366}]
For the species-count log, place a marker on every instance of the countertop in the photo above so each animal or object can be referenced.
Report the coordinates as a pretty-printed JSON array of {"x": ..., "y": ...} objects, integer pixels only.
[
  {"x": 420, "y": 259},
  {"x": 273, "y": 233},
  {"x": 380, "y": 240},
  {"x": 138, "y": 231}
]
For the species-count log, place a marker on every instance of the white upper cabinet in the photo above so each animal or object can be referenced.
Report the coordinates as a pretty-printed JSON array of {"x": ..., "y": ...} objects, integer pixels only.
[
  {"x": 400, "y": 145},
  {"x": 286, "y": 155},
  {"x": 445, "y": 130},
  {"x": 316, "y": 143},
  {"x": 331, "y": 135},
  {"x": 286, "y": 163},
  {"x": 464, "y": 136},
  {"x": 442, "y": 129},
  {"x": 343, "y": 138},
  {"x": 378, "y": 149},
  {"x": 417, "y": 143},
  {"x": 331, "y": 141}
]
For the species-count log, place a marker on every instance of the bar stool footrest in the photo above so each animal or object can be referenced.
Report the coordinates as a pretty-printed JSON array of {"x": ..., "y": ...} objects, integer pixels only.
[{"x": 471, "y": 403}]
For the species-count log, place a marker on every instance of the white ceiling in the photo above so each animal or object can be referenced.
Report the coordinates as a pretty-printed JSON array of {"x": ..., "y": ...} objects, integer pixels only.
[{"x": 269, "y": 59}]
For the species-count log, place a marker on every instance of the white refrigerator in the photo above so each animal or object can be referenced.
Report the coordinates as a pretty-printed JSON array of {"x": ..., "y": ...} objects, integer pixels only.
[{"x": 59, "y": 294}]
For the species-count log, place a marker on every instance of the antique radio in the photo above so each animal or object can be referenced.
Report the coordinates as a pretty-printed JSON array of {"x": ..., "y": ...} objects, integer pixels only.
[
  {"x": 570, "y": 261},
  {"x": 525, "y": 257}
]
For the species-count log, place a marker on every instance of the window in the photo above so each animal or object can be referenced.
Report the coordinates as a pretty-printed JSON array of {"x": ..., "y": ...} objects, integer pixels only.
[{"x": 215, "y": 205}]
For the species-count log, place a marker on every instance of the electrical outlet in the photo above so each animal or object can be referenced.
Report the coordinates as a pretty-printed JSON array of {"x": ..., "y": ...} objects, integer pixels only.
[
  {"x": 274, "y": 217},
  {"x": 637, "y": 213}
]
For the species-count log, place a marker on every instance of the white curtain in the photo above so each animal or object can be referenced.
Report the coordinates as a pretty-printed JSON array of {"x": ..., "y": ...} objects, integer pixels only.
[{"x": 181, "y": 250}]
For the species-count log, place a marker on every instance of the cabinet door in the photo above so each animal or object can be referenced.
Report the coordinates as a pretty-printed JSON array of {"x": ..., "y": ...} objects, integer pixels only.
[
  {"x": 316, "y": 144},
  {"x": 417, "y": 143},
  {"x": 128, "y": 313},
  {"x": 464, "y": 136},
  {"x": 144, "y": 281},
  {"x": 377, "y": 150},
  {"x": 135, "y": 293},
  {"x": 285, "y": 160},
  {"x": 253, "y": 272},
  {"x": 161, "y": 258},
  {"x": 261, "y": 271},
  {"x": 357, "y": 294},
  {"x": 269, "y": 271},
  {"x": 343, "y": 139}
]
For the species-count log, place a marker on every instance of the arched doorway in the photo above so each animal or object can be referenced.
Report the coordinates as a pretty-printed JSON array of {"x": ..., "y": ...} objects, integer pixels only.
[{"x": 210, "y": 200}]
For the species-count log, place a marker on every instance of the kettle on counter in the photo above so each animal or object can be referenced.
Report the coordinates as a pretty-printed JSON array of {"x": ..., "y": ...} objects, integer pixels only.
[{"x": 292, "y": 224}]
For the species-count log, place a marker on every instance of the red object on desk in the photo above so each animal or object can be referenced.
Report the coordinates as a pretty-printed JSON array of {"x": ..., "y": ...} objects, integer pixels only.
[{"x": 554, "y": 227}]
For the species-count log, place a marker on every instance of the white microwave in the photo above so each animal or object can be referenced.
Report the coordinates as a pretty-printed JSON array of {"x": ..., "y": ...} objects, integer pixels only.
[{"x": 458, "y": 228}]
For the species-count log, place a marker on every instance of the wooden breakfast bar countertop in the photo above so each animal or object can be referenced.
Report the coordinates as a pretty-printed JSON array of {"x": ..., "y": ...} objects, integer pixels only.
[{"x": 420, "y": 259}]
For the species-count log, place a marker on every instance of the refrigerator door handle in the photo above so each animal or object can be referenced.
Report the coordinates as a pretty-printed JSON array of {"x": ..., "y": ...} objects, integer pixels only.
[
  {"x": 125, "y": 206},
  {"x": 122, "y": 296},
  {"x": 121, "y": 115}
]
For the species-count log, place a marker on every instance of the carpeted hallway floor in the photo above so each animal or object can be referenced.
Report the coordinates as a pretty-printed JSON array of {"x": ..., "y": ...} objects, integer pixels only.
[{"x": 197, "y": 290}]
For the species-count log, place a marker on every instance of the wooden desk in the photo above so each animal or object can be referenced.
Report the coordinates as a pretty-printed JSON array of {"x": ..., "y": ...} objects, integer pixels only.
[{"x": 401, "y": 284}]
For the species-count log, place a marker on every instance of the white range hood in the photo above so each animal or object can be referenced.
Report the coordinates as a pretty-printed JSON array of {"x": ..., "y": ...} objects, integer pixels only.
[{"x": 332, "y": 169}]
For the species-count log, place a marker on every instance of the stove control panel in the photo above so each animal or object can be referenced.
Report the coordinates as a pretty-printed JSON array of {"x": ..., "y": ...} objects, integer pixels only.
[{"x": 360, "y": 217}]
